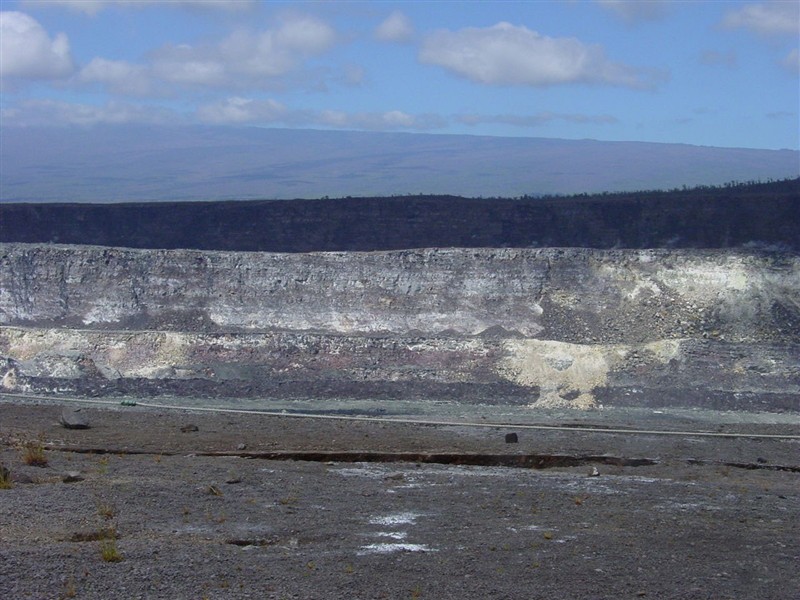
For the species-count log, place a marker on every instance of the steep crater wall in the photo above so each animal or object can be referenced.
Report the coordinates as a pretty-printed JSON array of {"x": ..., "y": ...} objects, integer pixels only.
[
  {"x": 541, "y": 327},
  {"x": 573, "y": 295}
]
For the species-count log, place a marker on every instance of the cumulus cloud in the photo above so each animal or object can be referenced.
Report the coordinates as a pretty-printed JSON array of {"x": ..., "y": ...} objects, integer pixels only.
[
  {"x": 636, "y": 10},
  {"x": 269, "y": 59},
  {"x": 767, "y": 18},
  {"x": 506, "y": 54},
  {"x": 396, "y": 27},
  {"x": 92, "y": 7},
  {"x": 188, "y": 65},
  {"x": 28, "y": 52},
  {"x": 536, "y": 120},
  {"x": 55, "y": 112},
  {"x": 238, "y": 110},
  {"x": 245, "y": 58},
  {"x": 118, "y": 76}
]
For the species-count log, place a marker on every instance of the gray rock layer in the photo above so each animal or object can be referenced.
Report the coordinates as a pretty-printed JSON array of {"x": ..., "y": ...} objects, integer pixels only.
[{"x": 571, "y": 295}]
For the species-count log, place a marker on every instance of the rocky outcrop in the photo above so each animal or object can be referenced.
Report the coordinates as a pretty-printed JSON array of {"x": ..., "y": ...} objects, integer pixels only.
[
  {"x": 538, "y": 373},
  {"x": 571, "y": 295},
  {"x": 538, "y": 327}
]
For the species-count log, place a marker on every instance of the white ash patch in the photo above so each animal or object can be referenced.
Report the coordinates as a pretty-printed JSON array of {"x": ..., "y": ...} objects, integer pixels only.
[
  {"x": 407, "y": 518},
  {"x": 388, "y": 548}
]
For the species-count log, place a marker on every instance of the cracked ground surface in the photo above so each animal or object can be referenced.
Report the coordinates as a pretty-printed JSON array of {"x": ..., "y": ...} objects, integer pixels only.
[{"x": 710, "y": 518}]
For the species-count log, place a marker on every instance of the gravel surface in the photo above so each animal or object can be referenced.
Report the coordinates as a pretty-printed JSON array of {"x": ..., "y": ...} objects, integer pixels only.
[{"x": 387, "y": 511}]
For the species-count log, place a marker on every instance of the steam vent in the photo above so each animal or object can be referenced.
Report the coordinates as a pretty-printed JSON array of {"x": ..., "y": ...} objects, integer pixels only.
[{"x": 663, "y": 299}]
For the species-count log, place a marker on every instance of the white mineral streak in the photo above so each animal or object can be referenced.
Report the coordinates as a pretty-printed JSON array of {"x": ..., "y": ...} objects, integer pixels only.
[{"x": 566, "y": 374}]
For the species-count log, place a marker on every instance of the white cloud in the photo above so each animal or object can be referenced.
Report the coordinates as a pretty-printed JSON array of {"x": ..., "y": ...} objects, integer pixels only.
[
  {"x": 28, "y": 52},
  {"x": 636, "y": 10},
  {"x": 246, "y": 59},
  {"x": 92, "y": 7},
  {"x": 506, "y": 54},
  {"x": 119, "y": 76},
  {"x": 187, "y": 66},
  {"x": 768, "y": 18},
  {"x": 393, "y": 120},
  {"x": 396, "y": 27},
  {"x": 305, "y": 35},
  {"x": 269, "y": 59},
  {"x": 238, "y": 110},
  {"x": 242, "y": 110},
  {"x": 56, "y": 112},
  {"x": 536, "y": 120}
]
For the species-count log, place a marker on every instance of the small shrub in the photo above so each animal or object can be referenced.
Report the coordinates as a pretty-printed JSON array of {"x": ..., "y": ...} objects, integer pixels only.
[
  {"x": 33, "y": 453},
  {"x": 97, "y": 535}
]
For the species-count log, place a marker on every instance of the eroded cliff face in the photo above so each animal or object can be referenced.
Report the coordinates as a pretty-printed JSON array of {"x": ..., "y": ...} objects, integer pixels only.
[
  {"x": 540, "y": 327},
  {"x": 574, "y": 295}
]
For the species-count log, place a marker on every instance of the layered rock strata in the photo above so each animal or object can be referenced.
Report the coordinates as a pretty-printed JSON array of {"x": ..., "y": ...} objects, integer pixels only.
[{"x": 540, "y": 327}]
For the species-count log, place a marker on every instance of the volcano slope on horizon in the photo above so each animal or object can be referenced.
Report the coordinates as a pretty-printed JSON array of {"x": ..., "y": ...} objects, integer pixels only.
[{"x": 139, "y": 163}]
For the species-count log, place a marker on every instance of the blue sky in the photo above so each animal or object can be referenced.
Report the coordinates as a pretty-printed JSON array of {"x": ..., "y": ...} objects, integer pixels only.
[{"x": 709, "y": 73}]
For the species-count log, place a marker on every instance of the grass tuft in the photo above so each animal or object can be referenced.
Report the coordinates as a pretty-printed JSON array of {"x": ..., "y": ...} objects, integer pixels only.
[
  {"x": 5, "y": 478},
  {"x": 106, "y": 510},
  {"x": 108, "y": 547},
  {"x": 33, "y": 453}
]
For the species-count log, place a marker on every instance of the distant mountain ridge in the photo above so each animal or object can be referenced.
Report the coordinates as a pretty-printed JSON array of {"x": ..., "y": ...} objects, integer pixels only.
[{"x": 126, "y": 163}]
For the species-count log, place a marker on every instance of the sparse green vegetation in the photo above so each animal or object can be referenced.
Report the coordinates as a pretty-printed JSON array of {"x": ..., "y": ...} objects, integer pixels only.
[{"x": 108, "y": 547}]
